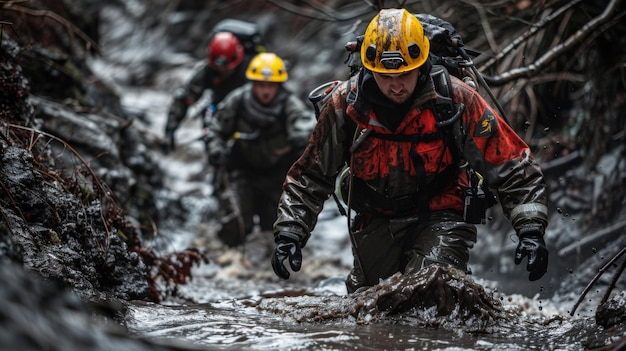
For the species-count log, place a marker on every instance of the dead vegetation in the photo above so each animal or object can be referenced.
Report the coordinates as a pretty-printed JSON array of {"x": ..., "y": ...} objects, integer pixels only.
[{"x": 49, "y": 188}]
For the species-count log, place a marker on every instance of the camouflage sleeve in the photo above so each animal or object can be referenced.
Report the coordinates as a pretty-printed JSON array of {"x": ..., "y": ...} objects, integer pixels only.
[
  {"x": 311, "y": 179},
  {"x": 495, "y": 150},
  {"x": 224, "y": 121},
  {"x": 184, "y": 97}
]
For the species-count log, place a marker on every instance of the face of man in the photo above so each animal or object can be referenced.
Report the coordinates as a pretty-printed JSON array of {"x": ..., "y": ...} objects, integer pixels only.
[
  {"x": 265, "y": 92},
  {"x": 397, "y": 87}
]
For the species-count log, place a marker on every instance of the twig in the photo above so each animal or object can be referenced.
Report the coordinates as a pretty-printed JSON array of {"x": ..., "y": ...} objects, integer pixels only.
[
  {"x": 72, "y": 29},
  {"x": 77, "y": 154},
  {"x": 596, "y": 277},
  {"x": 616, "y": 276}
]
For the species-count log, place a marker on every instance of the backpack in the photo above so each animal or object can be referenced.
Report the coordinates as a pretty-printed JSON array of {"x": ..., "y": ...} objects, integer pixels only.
[
  {"x": 248, "y": 33},
  {"x": 448, "y": 57}
]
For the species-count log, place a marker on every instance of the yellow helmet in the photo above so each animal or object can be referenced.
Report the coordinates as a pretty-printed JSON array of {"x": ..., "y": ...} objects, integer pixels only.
[
  {"x": 394, "y": 42},
  {"x": 267, "y": 67}
]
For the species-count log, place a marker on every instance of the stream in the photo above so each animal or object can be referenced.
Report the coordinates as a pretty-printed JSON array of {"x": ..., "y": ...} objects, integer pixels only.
[{"x": 219, "y": 308}]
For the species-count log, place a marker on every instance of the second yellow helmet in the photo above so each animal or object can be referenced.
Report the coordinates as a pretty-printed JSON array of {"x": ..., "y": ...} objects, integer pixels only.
[
  {"x": 394, "y": 42},
  {"x": 267, "y": 67}
]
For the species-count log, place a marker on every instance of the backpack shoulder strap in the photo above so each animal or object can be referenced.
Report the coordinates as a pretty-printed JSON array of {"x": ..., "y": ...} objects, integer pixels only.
[
  {"x": 445, "y": 109},
  {"x": 448, "y": 113}
]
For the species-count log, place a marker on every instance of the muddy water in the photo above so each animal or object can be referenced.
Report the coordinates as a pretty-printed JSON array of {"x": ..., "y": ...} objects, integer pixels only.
[{"x": 233, "y": 324}]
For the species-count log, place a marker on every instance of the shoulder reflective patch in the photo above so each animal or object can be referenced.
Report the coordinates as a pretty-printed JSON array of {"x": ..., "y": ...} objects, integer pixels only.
[{"x": 486, "y": 125}]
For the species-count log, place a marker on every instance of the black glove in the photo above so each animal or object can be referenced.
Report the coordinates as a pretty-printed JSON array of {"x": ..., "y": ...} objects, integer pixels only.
[
  {"x": 287, "y": 246},
  {"x": 169, "y": 141},
  {"x": 217, "y": 156},
  {"x": 531, "y": 244}
]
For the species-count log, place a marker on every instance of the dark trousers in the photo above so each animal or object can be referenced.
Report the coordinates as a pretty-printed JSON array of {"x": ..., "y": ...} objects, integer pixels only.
[
  {"x": 248, "y": 195},
  {"x": 386, "y": 246}
]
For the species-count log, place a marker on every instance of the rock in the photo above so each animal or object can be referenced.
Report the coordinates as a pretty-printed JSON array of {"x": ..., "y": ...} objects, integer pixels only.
[{"x": 39, "y": 314}]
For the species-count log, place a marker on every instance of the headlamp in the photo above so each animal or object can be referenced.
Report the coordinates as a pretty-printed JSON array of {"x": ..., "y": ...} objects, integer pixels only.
[{"x": 392, "y": 59}]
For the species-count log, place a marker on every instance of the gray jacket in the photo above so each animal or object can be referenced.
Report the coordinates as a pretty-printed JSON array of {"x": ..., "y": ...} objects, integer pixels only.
[{"x": 259, "y": 137}]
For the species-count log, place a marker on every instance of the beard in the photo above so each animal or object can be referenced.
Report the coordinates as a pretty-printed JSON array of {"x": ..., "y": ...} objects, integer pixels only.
[{"x": 399, "y": 97}]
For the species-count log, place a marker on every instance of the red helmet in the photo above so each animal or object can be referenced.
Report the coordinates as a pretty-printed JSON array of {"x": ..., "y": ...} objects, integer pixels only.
[{"x": 225, "y": 52}]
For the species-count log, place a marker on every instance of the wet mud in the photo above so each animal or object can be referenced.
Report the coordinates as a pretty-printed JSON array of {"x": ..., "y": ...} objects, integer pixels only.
[{"x": 441, "y": 294}]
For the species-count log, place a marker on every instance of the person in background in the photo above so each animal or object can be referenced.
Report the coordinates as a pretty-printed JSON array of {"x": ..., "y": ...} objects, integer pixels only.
[
  {"x": 407, "y": 187},
  {"x": 223, "y": 71},
  {"x": 256, "y": 134}
]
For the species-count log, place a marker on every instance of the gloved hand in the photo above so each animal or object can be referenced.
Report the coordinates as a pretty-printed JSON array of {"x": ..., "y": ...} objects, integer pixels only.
[
  {"x": 208, "y": 115},
  {"x": 169, "y": 141},
  {"x": 531, "y": 244},
  {"x": 217, "y": 156},
  {"x": 287, "y": 246}
]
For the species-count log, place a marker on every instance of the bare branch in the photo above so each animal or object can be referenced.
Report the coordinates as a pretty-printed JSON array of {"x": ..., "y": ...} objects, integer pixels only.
[
  {"x": 322, "y": 14},
  {"x": 71, "y": 28},
  {"x": 555, "y": 52},
  {"x": 536, "y": 27},
  {"x": 484, "y": 23}
]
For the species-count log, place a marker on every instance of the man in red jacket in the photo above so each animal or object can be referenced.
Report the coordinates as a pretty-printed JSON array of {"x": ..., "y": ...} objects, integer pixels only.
[{"x": 408, "y": 181}]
